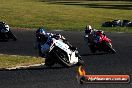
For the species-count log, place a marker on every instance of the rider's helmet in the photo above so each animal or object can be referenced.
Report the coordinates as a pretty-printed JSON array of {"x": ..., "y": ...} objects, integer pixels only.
[
  {"x": 40, "y": 34},
  {"x": 57, "y": 36},
  {"x": 4, "y": 27},
  {"x": 40, "y": 31},
  {"x": 3, "y": 23},
  {"x": 88, "y": 29}
]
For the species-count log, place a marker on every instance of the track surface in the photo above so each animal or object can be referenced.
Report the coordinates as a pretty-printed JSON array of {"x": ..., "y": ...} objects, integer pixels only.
[{"x": 59, "y": 77}]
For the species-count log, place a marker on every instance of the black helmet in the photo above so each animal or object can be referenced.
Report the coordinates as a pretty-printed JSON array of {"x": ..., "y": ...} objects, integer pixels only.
[
  {"x": 57, "y": 36},
  {"x": 41, "y": 31},
  {"x": 3, "y": 22}
]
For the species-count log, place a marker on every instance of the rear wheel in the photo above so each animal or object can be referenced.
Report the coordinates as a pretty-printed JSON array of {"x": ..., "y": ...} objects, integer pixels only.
[
  {"x": 92, "y": 48},
  {"x": 64, "y": 60},
  {"x": 110, "y": 48},
  {"x": 12, "y": 36},
  {"x": 49, "y": 61},
  {"x": 3, "y": 37}
]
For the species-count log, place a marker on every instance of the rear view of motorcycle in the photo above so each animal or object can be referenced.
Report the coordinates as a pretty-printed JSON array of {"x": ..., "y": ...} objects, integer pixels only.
[
  {"x": 5, "y": 32},
  {"x": 103, "y": 44},
  {"x": 59, "y": 52}
]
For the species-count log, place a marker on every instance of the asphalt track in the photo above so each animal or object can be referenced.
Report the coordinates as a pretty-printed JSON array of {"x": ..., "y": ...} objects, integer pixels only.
[{"x": 60, "y": 77}]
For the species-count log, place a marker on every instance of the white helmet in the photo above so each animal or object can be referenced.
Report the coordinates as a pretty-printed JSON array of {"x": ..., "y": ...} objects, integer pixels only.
[{"x": 88, "y": 29}]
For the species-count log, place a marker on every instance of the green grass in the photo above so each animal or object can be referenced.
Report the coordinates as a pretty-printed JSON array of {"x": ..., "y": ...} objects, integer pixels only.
[
  {"x": 7, "y": 61},
  {"x": 64, "y": 15}
]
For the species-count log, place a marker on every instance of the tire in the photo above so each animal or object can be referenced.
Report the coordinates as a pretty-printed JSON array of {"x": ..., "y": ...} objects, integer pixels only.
[
  {"x": 12, "y": 36},
  {"x": 110, "y": 48},
  {"x": 92, "y": 49},
  {"x": 49, "y": 62}
]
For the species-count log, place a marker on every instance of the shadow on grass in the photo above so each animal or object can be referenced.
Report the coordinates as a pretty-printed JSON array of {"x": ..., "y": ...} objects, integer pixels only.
[{"x": 122, "y": 6}]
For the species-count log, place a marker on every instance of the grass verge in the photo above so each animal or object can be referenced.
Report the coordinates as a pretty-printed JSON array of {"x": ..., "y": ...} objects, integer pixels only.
[
  {"x": 64, "y": 15},
  {"x": 8, "y": 61}
]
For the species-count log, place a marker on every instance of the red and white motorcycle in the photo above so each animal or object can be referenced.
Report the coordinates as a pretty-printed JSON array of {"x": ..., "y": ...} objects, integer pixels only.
[{"x": 104, "y": 44}]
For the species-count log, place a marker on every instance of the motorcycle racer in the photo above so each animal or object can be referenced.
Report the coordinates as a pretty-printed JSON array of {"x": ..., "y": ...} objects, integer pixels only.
[
  {"x": 97, "y": 40},
  {"x": 93, "y": 35},
  {"x": 59, "y": 36},
  {"x": 5, "y": 32},
  {"x": 43, "y": 37}
]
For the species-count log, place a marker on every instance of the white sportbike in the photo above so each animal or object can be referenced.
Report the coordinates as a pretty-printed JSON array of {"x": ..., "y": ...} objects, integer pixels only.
[{"x": 60, "y": 52}]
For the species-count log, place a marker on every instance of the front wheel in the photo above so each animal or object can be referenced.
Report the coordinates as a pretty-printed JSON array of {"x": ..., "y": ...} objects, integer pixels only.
[
  {"x": 110, "y": 48},
  {"x": 12, "y": 36},
  {"x": 49, "y": 61},
  {"x": 3, "y": 37}
]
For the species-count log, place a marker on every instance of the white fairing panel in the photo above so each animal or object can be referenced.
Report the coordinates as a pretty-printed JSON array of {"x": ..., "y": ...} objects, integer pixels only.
[
  {"x": 7, "y": 29},
  {"x": 72, "y": 58},
  {"x": 62, "y": 46}
]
